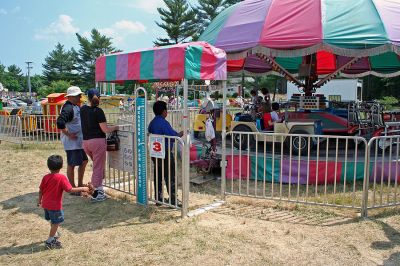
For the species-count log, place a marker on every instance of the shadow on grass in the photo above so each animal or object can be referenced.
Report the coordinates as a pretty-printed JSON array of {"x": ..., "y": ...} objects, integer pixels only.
[
  {"x": 25, "y": 249},
  {"x": 82, "y": 216},
  {"x": 393, "y": 237}
]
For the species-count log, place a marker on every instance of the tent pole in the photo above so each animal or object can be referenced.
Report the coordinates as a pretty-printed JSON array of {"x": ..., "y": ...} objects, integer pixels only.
[
  {"x": 186, "y": 153},
  {"x": 223, "y": 162}
]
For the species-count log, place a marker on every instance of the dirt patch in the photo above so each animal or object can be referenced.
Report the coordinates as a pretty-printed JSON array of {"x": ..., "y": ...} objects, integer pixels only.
[{"x": 245, "y": 232}]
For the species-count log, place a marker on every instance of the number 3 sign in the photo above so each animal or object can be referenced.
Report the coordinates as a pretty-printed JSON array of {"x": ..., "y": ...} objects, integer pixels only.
[{"x": 157, "y": 146}]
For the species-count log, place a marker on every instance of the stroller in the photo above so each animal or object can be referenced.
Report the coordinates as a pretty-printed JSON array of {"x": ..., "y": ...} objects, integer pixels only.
[{"x": 208, "y": 159}]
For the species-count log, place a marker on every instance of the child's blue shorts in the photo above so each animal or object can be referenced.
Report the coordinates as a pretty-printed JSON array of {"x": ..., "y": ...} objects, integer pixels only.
[{"x": 55, "y": 217}]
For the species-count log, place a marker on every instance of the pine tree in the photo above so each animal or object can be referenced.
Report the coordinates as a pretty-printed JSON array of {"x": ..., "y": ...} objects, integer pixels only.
[
  {"x": 89, "y": 51},
  {"x": 13, "y": 78},
  {"x": 178, "y": 22},
  {"x": 60, "y": 64}
]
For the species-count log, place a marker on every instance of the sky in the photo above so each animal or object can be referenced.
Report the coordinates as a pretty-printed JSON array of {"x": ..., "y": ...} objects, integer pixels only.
[{"x": 30, "y": 29}]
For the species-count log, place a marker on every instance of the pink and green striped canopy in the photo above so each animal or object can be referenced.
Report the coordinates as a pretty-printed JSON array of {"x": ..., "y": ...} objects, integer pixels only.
[
  {"x": 193, "y": 61},
  {"x": 287, "y": 30}
]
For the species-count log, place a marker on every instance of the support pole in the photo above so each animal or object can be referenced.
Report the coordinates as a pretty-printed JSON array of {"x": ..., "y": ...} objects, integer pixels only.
[
  {"x": 186, "y": 151},
  {"x": 280, "y": 69},
  {"x": 223, "y": 162},
  {"x": 29, "y": 78}
]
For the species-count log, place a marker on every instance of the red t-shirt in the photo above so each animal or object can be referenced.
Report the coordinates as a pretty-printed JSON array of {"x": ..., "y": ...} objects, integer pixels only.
[
  {"x": 52, "y": 187},
  {"x": 267, "y": 118}
]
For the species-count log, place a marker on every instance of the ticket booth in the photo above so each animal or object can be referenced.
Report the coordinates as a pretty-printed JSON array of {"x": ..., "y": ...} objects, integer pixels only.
[{"x": 51, "y": 109}]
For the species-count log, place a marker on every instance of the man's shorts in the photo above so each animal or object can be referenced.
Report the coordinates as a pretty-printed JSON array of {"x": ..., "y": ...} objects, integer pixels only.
[
  {"x": 55, "y": 217},
  {"x": 76, "y": 157}
]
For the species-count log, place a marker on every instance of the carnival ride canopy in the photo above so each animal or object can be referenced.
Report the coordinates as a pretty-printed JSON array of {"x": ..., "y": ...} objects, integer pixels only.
[
  {"x": 355, "y": 38},
  {"x": 192, "y": 61}
]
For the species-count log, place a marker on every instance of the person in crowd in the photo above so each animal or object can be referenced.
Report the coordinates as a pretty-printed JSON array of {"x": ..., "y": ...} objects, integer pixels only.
[
  {"x": 266, "y": 115},
  {"x": 160, "y": 126},
  {"x": 207, "y": 104},
  {"x": 69, "y": 122},
  {"x": 274, "y": 113},
  {"x": 255, "y": 102},
  {"x": 121, "y": 104},
  {"x": 94, "y": 129},
  {"x": 266, "y": 97},
  {"x": 50, "y": 198}
]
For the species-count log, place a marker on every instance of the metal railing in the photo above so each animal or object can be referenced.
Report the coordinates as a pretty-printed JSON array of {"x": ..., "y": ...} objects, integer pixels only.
[
  {"x": 120, "y": 167},
  {"x": 40, "y": 129},
  {"x": 166, "y": 175},
  {"x": 11, "y": 129},
  {"x": 318, "y": 170},
  {"x": 384, "y": 173}
]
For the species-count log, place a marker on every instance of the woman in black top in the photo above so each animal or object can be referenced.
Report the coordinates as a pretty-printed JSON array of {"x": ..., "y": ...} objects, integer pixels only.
[{"x": 94, "y": 129}]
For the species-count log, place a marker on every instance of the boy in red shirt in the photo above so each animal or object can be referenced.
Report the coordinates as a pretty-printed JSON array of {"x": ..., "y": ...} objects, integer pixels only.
[{"x": 50, "y": 197}]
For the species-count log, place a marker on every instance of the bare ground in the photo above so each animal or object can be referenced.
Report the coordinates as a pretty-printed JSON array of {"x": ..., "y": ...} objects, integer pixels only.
[{"x": 243, "y": 231}]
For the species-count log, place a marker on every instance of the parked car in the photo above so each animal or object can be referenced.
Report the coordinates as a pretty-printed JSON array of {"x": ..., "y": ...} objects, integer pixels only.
[
  {"x": 36, "y": 108},
  {"x": 18, "y": 103},
  {"x": 26, "y": 100}
]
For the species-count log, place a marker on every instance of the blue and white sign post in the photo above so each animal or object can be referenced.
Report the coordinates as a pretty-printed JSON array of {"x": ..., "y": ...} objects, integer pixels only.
[{"x": 141, "y": 142}]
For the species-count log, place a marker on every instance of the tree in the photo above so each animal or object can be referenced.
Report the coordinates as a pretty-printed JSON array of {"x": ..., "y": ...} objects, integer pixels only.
[
  {"x": 88, "y": 52},
  {"x": 178, "y": 22},
  {"x": 60, "y": 64},
  {"x": 2, "y": 71},
  {"x": 207, "y": 10},
  {"x": 54, "y": 87},
  {"x": 14, "y": 71},
  {"x": 12, "y": 79}
]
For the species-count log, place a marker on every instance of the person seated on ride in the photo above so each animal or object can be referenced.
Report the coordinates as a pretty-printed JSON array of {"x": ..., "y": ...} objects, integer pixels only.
[
  {"x": 274, "y": 113},
  {"x": 266, "y": 116},
  {"x": 255, "y": 102},
  {"x": 207, "y": 105}
]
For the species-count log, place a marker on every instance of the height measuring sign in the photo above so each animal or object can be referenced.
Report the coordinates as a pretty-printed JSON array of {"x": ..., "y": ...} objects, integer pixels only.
[{"x": 141, "y": 158}]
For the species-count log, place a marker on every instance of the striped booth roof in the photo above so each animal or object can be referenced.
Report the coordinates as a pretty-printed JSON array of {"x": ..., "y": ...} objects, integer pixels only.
[{"x": 192, "y": 61}]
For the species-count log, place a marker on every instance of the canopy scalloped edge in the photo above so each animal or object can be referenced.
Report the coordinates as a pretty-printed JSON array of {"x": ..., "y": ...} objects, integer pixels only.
[
  {"x": 374, "y": 73},
  {"x": 359, "y": 75},
  {"x": 313, "y": 49}
]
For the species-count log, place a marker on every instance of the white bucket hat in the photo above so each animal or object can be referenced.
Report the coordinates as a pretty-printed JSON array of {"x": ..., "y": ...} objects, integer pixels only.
[{"x": 73, "y": 91}]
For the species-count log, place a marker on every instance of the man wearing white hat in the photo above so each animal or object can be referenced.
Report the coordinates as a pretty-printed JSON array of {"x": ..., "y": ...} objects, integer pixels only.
[{"x": 69, "y": 122}]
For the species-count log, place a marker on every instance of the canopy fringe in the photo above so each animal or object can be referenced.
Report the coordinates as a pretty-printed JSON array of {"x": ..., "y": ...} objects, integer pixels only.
[
  {"x": 313, "y": 49},
  {"x": 374, "y": 73}
]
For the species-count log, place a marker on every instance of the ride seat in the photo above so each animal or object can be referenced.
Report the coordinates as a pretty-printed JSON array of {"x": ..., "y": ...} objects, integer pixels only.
[
  {"x": 378, "y": 121},
  {"x": 260, "y": 124}
]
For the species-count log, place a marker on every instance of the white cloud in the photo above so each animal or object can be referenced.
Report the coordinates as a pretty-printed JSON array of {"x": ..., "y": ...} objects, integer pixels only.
[
  {"x": 3, "y": 11},
  {"x": 149, "y": 6},
  {"x": 130, "y": 26},
  {"x": 121, "y": 29},
  {"x": 60, "y": 27}
]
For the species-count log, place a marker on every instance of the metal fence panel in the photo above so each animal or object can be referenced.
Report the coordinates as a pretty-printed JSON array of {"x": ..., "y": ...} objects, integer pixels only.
[
  {"x": 11, "y": 129},
  {"x": 166, "y": 175},
  {"x": 322, "y": 171},
  {"x": 120, "y": 167},
  {"x": 383, "y": 173}
]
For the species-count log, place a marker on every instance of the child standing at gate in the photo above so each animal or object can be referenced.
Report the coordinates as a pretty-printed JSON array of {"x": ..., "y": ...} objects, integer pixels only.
[{"x": 50, "y": 198}]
